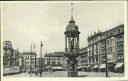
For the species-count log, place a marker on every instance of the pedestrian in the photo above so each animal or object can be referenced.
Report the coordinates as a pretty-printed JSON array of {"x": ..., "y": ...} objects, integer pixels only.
[
  {"x": 36, "y": 73},
  {"x": 51, "y": 70},
  {"x": 41, "y": 73}
]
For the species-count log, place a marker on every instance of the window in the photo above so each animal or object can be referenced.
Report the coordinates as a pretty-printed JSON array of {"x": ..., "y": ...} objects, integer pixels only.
[
  {"x": 110, "y": 49},
  {"x": 96, "y": 59},
  {"x": 59, "y": 63},
  {"x": 121, "y": 38},
  {"x": 48, "y": 62},
  {"x": 121, "y": 46},
  {"x": 58, "y": 58},
  {"x": 110, "y": 40},
  {"x": 113, "y": 56},
  {"x": 118, "y": 30},
  {"x": 49, "y": 58},
  {"x": 111, "y": 33},
  {"x": 53, "y": 63}
]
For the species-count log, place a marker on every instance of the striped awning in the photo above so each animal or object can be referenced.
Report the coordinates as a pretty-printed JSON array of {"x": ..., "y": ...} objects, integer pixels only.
[
  {"x": 102, "y": 66},
  {"x": 119, "y": 64},
  {"x": 89, "y": 66},
  {"x": 96, "y": 66},
  {"x": 79, "y": 67},
  {"x": 57, "y": 67}
]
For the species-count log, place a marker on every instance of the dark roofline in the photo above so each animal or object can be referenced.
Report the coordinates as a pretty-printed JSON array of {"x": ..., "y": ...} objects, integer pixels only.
[
  {"x": 122, "y": 25},
  {"x": 101, "y": 33},
  {"x": 95, "y": 35},
  {"x": 55, "y": 54},
  {"x": 29, "y": 53}
]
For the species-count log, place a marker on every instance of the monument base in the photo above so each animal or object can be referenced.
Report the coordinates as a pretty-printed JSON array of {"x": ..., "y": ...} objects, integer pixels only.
[{"x": 72, "y": 74}]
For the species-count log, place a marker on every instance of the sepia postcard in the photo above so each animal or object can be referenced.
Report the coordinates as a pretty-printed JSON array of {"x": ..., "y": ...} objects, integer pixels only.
[{"x": 64, "y": 40}]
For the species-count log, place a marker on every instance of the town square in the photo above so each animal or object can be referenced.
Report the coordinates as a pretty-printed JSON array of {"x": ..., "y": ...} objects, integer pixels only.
[{"x": 64, "y": 39}]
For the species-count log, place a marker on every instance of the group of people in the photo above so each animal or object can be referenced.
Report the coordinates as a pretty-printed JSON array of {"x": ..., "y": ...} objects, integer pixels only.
[{"x": 40, "y": 72}]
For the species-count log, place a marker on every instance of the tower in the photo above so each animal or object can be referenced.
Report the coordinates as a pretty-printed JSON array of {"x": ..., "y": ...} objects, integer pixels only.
[{"x": 72, "y": 46}]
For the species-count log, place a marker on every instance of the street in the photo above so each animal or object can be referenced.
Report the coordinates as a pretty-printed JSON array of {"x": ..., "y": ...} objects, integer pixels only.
[{"x": 64, "y": 74}]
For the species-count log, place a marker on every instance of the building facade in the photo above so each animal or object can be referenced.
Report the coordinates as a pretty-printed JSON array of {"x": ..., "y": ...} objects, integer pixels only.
[
  {"x": 108, "y": 45},
  {"x": 10, "y": 56},
  {"x": 29, "y": 60},
  {"x": 54, "y": 60},
  {"x": 11, "y": 59},
  {"x": 83, "y": 59},
  {"x": 112, "y": 42},
  {"x": 94, "y": 56},
  {"x": 40, "y": 63}
]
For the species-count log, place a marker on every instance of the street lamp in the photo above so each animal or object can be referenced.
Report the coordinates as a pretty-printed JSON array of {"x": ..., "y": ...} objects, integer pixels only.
[
  {"x": 41, "y": 45},
  {"x": 32, "y": 45},
  {"x": 106, "y": 59}
]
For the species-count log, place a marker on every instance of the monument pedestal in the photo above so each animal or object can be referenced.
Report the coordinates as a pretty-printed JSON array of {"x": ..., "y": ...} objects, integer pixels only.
[{"x": 72, "y": 74}]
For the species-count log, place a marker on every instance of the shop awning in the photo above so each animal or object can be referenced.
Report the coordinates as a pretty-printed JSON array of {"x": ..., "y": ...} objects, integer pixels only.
[
  {"x": 79, "y": 67},
  {"x": 57, "y": 67},
  {"x": 102, "y": 66},
  {"x": 119, "y": 64},
  {"x": 96, "y": 66},
  {"x": 84, "y": 66},
  {"x": 89, "y": 66},
  {"x": 49, "y": 67}
]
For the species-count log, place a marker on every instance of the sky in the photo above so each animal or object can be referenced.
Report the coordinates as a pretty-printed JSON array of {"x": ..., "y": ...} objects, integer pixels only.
[{"x": 31, "y": 22}]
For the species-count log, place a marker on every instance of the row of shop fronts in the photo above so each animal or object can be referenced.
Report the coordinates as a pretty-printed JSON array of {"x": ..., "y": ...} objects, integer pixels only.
[
  {"x": 103, "y": 47},
  {"x": 117, "y": 68}
]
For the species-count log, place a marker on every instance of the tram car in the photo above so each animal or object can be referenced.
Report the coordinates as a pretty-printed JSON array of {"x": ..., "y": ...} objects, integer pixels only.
[{"x": 11, "y": 70}]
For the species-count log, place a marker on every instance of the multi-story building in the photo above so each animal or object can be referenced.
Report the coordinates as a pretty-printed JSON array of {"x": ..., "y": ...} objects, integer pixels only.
[
  {"x": 21, "y": 60},
  {"x": 40, "y": 63},
  {"x": 29, "y": 59},
  {"x": 17, "y": 57},
  {"x": 108, "y": 46},
  {"x": 11, "y": 59},
  {"x": 112, "y": 46},
  {"x": 83, "y": 59},
  {"x": 10, "y": 56},
  {"x": 54, "y": 60},
  {"x": 94, "y": 57},
  {"x": 37, "y": 62},
  {"x": 120, "y": 44}
]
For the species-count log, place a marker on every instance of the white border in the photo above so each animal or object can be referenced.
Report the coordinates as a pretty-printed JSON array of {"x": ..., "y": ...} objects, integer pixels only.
[{"x": 66, "y": 78}]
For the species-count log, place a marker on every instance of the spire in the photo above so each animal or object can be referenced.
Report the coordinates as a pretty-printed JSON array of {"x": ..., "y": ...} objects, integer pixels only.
[
  {"x": 72, "y": 20},
  {"x": 71, "y": 11},
  {"x": 72, "y": 14}
]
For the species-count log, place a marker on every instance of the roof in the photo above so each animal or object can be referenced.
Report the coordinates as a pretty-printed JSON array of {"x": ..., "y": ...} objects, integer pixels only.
[
  {"x": 106, "y": 32},
  {"x": 115, "y": 28},
  {"x": 72, "y": 27},
  {"x": 33, "y": 52},
  {"x": 55, "y": 54},
  {"x": 95, "y": 35}
]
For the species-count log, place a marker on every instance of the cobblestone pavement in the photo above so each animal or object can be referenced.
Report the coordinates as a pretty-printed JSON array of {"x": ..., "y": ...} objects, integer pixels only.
[{"x": 64, "y": 74}]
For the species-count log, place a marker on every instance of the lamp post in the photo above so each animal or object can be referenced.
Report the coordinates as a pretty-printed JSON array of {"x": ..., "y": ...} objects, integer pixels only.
[
  {"x": 106, "y": 59},
  {"x": 41, "y": 45},
  {"x": 32, "y": 45}
]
